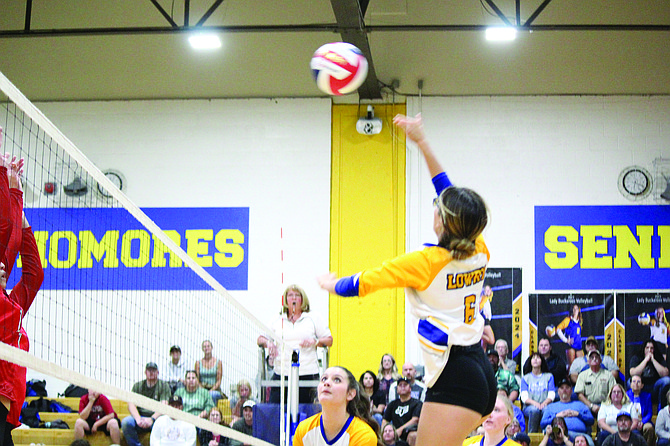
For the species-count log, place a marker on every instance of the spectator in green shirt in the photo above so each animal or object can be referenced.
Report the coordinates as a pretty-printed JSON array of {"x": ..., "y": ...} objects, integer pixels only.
[
  {"x": 197, "y": 400},
  {"x": 505, "y": 378}
]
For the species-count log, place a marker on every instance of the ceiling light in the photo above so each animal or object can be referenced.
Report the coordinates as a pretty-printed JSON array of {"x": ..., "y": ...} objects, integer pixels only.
[
  {"x": 501, "y": 33},
  {"x": 205, "y": 41}
]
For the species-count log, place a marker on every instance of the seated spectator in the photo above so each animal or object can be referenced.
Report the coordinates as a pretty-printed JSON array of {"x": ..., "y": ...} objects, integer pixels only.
[
  {"x": 537, "y": 391},
  {"x": 242, "y": 396},
  {"x": 175, "y": 369},
  {"x": 97, "y": 415},
  {"x": 418, "y": 388},
  {"x": 494, "y": 426},
  {"x": 616, "y": 401},
  {"x": 246, "y": 423},
  {"x": 196, "y": 400},
  {"x": 404, "y": 412},
  {"x": 513, "y": 428},
  {"x": 506, "y": 363},
  {"x": 642, "y": 405},
  {"x": 522, "y": 438},
  {"x": 209, "y": 371},
  {"x": 624, "y": 435},
  {"x": 663, "y": 425},
  {"x": 582, "y": 440},
  {"x": 388, "y": 373},
  {"x": 390, "y": 436},
  {"x": 576, "y": 415},
  {"x": 207, "y": 438},
  {"x": 370, "y": 385},
  {"x": 170, "y": 432},
  {"x": 651, "y": 367},
  {"x": 593, "y": 385},
  {"x": 581, "y": 363},
  {"x": 555, "y": 363},
  {"x": 506, "y": 379},
  {"x": 140, "y": 419},
  {"x": 556, "y": 434}
]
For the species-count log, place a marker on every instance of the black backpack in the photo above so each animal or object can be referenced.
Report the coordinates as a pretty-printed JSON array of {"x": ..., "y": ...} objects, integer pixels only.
[
  {"x": 29, "y": 416},
  {"x": 36, "y": 387},
  {"x": 74, "y": 391}
]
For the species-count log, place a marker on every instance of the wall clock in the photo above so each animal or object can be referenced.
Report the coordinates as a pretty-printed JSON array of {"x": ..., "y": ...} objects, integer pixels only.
[
  {"x": 116, "y": 178},
  {"x": 635, "y": 183}
]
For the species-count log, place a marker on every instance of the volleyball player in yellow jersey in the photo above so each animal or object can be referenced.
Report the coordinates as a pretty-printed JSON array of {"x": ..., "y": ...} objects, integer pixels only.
[
  {"x": 344, "y": 419},
  {"x": 443, "y": 285},
  {"x": 494, "y": 426}
]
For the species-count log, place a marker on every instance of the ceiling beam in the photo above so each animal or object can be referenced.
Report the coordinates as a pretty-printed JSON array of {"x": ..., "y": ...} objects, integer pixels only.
[
  {"x": 349, "y": 16},
  {"x": 328, "y": 27}
]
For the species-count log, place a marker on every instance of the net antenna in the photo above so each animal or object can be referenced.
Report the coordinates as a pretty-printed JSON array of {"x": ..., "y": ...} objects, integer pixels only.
[{"x": 98, "y": 319}]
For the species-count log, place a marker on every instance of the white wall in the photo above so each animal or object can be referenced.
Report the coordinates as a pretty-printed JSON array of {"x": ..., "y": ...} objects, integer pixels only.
[{"x": 272, "y": 156}]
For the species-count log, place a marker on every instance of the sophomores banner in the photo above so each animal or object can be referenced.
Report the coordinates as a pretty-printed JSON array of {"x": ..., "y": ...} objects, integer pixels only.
[
  {"x": 602, "y": 247},
  {"x": 103, "y": 248}
]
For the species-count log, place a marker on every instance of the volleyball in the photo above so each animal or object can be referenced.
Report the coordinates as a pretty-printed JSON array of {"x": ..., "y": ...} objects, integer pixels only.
[
  {"x": 550, "y": 331},
  {"x": 339, "y": 68},
  {"x": 644, "y": 319}
]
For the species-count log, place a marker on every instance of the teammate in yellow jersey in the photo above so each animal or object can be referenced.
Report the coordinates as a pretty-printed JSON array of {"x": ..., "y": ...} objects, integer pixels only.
[
  {"x": 443, "y": 284},
  {"x": 494, "y": 426},
  {"x": 345, "y": 418}
]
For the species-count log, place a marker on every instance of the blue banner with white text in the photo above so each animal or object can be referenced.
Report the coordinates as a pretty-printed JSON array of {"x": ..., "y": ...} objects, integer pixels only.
[
  {"x": 107, "y": 248},
  {"x": 602, "y": 247}
]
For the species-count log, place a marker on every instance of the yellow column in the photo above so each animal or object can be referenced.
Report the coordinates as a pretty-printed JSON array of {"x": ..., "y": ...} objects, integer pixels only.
[{"x": 367, "y": 227}]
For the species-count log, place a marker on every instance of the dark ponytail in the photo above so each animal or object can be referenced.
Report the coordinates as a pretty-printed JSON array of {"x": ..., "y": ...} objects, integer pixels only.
[
  {"x": 464, "y": 216},
  {"x": 359, "y": 406}
]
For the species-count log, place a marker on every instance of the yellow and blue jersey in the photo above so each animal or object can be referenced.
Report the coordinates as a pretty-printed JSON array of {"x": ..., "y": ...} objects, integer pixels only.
[
  {"x": 478, "y": 440},
  {"x": 355, "y": 432}
]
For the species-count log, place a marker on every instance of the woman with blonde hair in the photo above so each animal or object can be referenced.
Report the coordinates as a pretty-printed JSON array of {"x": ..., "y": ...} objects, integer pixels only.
[
  {"x": 495, "y": 426},
  {"x": 387, "y": 374},
  {"x": 300, "y": 329},
  {"x": 616, "y": 401},
  {"x": 243, "y": 394},
  {"x": 570, "y": 332}
]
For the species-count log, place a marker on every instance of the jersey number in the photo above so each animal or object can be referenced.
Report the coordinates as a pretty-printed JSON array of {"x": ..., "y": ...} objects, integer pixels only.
[{"x": 470, "y": 308}]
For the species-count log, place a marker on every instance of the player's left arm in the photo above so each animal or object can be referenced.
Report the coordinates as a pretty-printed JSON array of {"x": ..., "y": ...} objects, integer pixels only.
[{"x": 408, "y": 270}]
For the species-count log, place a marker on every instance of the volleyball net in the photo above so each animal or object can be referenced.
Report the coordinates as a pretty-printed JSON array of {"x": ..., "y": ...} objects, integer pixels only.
[{"x": 99, "y": 316}]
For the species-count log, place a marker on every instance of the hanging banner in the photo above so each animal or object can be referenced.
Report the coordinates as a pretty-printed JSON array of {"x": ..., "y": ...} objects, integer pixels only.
[
  {"x": 640, "y": 316},
  {"x": 569, "y": 319},
  {"x": 602, "y": 247},
  {"x": 503, "y": 287}
]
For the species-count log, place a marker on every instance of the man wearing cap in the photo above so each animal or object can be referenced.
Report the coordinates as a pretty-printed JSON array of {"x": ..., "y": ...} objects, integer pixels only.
[
  {"x": 246, "y": 423},
  {"x": 505, "y": 378},
  {"x": 140, "y": 419},
  {"x": 581, "y": 363},
  {"x": 578, "y": 418},
  {"x": 175, "y": 369},
  {"x": 624, "y": 436},
  {"x": 197, "y": 400},
  {"x": 593, "y": 384},
  {"x": 170, "y": 432},
  {"x": 403, "y": 412},
  {"x": 418, "y": 388}
]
